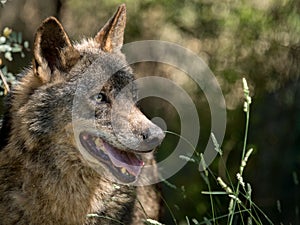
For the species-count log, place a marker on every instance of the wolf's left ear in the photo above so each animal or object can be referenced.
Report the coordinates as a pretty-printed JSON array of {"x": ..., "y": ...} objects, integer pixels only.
[
  {"x": 111, "y": 36},
  {"x": 52, "y": 50}
]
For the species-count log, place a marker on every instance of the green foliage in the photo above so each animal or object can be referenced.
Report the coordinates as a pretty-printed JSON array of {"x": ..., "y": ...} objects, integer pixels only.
[
  {"x": 2, "y": 2},
  {"x": 10, "y": 43}
]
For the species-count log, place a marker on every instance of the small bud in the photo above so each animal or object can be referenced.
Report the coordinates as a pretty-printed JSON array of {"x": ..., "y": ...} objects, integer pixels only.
[
  {"x": 235, "y": 198},
  {"x": 245, "y": 159},
  {"x": 240, "y": 179},
  {"x": 224, "y": 185},
  {"x": 249, "y": 191},
  {"x": 216, "y": 144},
  {"x": 245, "y": 85}
]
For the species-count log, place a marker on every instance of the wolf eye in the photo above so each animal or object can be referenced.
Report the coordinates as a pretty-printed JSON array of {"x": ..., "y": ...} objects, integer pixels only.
[{"x": 99, "y": 98}]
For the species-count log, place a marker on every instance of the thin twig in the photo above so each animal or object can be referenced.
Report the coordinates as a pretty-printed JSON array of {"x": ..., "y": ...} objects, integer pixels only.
[{"x": 4, "y": 82}]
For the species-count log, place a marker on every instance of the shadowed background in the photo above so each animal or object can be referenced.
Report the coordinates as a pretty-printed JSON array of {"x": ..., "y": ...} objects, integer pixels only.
[{"x": 259, "y": 40}]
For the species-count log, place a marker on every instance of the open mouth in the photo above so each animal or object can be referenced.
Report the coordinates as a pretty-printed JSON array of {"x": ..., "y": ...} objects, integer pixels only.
[{"x": 125, "y": 166}]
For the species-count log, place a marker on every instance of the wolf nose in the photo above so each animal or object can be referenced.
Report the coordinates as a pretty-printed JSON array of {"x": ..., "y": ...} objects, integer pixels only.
[
  {"x": 152, "y": 137},
  {"x": 145, "y": 135}
]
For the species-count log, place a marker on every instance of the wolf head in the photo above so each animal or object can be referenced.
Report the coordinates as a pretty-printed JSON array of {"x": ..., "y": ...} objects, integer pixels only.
[{"x": 84, "y": 95}]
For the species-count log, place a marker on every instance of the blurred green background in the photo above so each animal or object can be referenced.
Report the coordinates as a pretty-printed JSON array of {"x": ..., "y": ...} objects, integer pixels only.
[{"x": 258, "y": 40}]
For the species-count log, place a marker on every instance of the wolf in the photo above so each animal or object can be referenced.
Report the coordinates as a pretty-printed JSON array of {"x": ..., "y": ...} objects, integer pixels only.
[{"x": 73, "y": 142}]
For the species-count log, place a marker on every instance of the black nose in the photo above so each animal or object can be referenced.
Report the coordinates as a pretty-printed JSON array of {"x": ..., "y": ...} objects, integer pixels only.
[
  {"x": 152, "y": 137},
  {"x": 145, "y": 134}
]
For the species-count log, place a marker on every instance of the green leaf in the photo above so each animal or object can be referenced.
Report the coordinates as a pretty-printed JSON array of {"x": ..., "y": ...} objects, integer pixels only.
[
  {"x": 19, "y": 36},
  {"x": 2, "y": 40},
  {"x": 26, "y": 44},
  {"x": 8, "y": 56}
]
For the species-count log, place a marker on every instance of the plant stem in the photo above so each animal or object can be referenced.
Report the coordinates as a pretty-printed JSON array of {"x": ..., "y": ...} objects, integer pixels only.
[{"x": 247, "y": 110}]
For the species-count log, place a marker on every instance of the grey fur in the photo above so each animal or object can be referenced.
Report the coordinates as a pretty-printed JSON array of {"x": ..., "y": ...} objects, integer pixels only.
[{"x": 45, "y": 176}]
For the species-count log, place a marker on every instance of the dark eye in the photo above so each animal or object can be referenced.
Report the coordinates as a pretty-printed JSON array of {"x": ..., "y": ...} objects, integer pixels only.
[{"x": 99, "y": 98}]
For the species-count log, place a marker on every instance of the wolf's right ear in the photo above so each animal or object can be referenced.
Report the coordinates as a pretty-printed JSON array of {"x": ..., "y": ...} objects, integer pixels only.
[
  {"x": 52, "y": 50},
  {"x": 110, "y": 37}
]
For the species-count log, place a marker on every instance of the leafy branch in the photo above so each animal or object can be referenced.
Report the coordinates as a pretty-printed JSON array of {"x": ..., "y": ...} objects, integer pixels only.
[{"x": 11, "y": 43}]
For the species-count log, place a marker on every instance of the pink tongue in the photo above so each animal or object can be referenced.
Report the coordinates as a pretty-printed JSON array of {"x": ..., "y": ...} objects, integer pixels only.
[{"x": 124, "y": 159}]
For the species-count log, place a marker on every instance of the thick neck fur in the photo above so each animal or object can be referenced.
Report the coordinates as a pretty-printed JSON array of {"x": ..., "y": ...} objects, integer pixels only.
[
  {"x": 58, "y": 189},
  {"x": 48, "y": 181}
]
